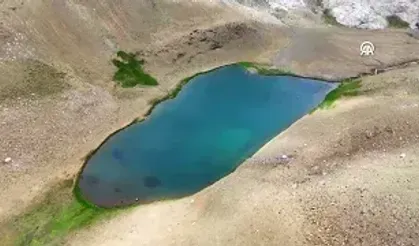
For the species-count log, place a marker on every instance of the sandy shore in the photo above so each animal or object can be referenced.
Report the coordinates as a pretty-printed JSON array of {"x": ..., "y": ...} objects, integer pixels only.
[{"x": 353, "y": 175}]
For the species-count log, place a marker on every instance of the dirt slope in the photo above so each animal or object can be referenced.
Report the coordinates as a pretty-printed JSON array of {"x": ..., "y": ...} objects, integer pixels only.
[{"x": 57, "y": 103}]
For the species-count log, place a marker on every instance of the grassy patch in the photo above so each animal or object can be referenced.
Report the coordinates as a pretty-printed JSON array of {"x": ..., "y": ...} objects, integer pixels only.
[
  {"x": 347, "y": 88},
  {"x": 263, "y": 70},
  {"x": 395, "y": 22},
  {"x": 328, "y": 18},
  {"x": 51, "y": 220},
  {"x": 274, "y": 72},
  {"x": 130, "y": 72},
  {"x": 247, "y": 64}
]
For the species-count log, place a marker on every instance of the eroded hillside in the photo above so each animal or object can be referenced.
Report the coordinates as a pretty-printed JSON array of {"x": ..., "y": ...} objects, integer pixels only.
[{"x": 58, "y": 102}]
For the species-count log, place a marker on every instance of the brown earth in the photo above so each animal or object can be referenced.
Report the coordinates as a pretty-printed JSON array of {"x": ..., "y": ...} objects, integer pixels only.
[{"x": 353, "y": 176}]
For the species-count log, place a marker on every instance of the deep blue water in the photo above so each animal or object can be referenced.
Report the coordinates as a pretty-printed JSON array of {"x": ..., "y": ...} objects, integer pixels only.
[{"x": 217, "y": 121}]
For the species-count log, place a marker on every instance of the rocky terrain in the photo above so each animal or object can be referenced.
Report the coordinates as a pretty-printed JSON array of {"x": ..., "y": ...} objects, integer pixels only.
[
  {"x": 353, "y": 176},
  {"x": 368, "y": 14}
]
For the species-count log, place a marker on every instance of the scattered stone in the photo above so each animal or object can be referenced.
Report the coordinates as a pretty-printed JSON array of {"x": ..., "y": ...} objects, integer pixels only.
[
  {"x": 414, "y": 33},
  {"x": 389, "y": 130},
  {"x": 179, "y": 56},
  {"x": 215, "y": 46},
  {"x": 151, "y": 182},
  {"x": 403, "y": 155},
  {"x": 7, "y": 160},
  {"x": 369, "y": 134},
  {"x": 373, "y": 14}
]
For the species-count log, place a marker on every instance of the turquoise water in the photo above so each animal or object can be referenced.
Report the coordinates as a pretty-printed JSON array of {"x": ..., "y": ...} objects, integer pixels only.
[{"x": 217, "y": 121}]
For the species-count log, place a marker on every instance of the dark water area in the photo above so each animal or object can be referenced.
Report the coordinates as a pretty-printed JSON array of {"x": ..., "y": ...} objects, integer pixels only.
[{"x": 186, "y": 144}]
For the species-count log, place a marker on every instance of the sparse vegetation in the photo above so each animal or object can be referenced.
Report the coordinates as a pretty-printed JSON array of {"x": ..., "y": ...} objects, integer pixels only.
[
  {"x": 130, "y": 72},
  {"x": 347, "y": 88},
  {"x": 52, "y": 219},
  {"x": 33, "y": 78},
  {"x": 247, "y": 64},
  {"x": 263, "y": 70},
  {"x": 396, "y": 22},
  {"x": 328, "y": 18}
]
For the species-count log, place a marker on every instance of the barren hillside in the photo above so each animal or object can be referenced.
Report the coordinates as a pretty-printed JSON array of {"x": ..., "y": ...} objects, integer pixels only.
[{"x": 58, "y": 103}]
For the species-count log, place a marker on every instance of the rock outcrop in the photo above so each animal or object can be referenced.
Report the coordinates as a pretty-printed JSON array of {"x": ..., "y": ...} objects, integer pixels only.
[
  {"x": 366, "y": 14},
  {"x": 372, "y": 14}
]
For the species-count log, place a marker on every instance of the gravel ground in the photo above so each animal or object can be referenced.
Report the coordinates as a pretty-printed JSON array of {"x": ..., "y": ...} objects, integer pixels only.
[{"x": 351, "y": 176}]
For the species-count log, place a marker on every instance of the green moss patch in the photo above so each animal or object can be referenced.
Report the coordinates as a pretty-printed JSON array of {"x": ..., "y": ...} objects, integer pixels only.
[
  {"x": 348, "y": 88},
  {"x": 396, "y": 22},
  {"x": 130, "y": 72},
  {"x": 246, "y": 64},
  {"x": 50, "y": 220},
  {"x": 264, "y": 70}
]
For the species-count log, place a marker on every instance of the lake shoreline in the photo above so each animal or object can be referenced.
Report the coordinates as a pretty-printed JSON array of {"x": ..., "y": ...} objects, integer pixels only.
[
  {"x": 178, "y": 87},
  {"x": 171, "y": 95}
]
